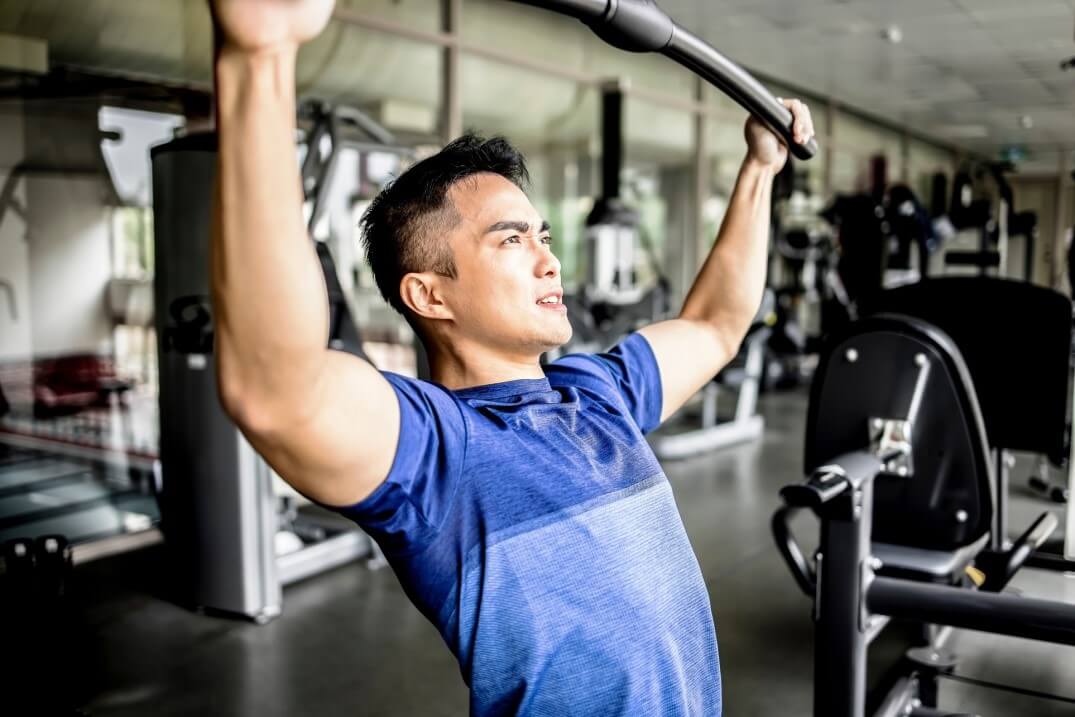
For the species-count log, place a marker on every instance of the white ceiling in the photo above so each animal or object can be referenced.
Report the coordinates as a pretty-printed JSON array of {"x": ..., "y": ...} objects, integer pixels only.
[{"x": 965, "y": 71}]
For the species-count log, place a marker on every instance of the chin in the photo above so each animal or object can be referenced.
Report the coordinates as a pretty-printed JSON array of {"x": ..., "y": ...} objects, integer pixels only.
[{"x": 558, "y": 339}]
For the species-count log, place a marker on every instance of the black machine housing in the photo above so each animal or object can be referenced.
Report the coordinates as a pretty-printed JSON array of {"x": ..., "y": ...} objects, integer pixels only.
[{"x": 898, "y": 452}]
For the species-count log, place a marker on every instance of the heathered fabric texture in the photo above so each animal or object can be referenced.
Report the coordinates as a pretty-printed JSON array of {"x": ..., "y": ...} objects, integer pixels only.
[{"x": 531, "y": 523}]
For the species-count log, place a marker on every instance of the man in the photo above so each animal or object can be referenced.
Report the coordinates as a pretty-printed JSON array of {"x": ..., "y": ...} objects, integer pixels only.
[{"x": 519, "y": 505}]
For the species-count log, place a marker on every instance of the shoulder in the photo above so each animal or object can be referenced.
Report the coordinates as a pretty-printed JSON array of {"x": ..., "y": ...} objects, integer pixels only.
[
  {"x": 423, "y": 404},
  {"x": 627, "y": 375},
  {"x": 608, "y": 367},
  {"x": 420, "y": 390}
]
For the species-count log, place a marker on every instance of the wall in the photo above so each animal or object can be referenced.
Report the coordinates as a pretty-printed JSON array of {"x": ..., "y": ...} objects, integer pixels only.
[
  {"x": 70, "y": 265},
  {"x": 1039, "y": 194},
  {"x": 66, "y": 262}
]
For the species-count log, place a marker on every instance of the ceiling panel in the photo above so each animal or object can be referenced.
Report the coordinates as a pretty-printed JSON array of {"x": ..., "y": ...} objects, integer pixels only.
[
  {"x": 977, "y": 65},
  {"x": 1016, "y": 93}
]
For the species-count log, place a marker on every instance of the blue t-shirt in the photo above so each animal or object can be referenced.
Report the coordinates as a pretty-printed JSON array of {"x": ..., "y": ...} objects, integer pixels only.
[{"x": 531, "y": 523}]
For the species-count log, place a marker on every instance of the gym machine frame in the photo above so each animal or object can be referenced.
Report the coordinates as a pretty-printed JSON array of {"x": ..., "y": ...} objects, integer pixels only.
[
  {"x": 852, "y": 602},
  {"x": 1030, "y": 415},
  {"x": 852, "y": 605}
]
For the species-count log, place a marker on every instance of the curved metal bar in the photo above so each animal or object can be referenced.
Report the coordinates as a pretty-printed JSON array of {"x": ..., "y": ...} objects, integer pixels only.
[
  {"x": 791, "y": 552},
  {"x": 731, "y": 79},
  {"x": 641, "y": 26}
]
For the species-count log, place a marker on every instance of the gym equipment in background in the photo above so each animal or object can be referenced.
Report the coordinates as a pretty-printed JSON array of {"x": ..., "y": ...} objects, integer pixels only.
[
  {"x": 996, "y": 223},
  {"x": 1015, "y": 338},
  {"x": 687, "y": 435},
  {"x": 219, "y": 510},
  {"x": 611, "y": 301},
  {"x": 882, "y": 242},
  {"x": 901, "y": 480},
  {"x": 810, "y": 296}
]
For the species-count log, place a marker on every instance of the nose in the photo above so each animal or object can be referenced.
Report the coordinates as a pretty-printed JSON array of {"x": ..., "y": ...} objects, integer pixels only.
[{"x": 547, "y": 265}]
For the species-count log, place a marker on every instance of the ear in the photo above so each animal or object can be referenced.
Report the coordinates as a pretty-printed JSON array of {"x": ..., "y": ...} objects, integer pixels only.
[{"x": 422, "y": 293}]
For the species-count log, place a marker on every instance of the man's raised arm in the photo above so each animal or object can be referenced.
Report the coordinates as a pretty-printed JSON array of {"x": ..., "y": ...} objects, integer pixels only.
[
  {"x": 327, "y": 422},
  {"x": 725, "y": 296}
]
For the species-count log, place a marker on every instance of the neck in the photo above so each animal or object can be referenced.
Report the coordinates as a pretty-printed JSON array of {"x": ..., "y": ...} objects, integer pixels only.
[{"x": 465, "y": 365}]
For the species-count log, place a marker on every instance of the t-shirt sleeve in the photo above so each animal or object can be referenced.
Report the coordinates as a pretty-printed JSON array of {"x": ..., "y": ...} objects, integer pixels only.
[
  {"x": 406, "y": 511},
  {"x": 630, "y": 368}
]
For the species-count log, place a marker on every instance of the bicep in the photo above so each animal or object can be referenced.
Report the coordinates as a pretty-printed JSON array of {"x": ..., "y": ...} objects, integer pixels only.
[
  {"x": 340, "y": 448},
  {"x": 688, "y": 354}
]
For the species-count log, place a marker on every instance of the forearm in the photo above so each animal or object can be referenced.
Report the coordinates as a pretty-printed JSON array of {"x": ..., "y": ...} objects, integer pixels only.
[
  {"x": 728, "y": 289},
  {"x": 271, "y": 315}
]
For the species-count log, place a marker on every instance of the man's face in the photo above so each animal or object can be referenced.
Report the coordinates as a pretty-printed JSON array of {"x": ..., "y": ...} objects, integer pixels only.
[{"x": 507, "y": 292}]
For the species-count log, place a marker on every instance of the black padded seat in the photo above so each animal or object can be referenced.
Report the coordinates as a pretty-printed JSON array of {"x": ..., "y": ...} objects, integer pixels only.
[{"x": 941, "y": 566}]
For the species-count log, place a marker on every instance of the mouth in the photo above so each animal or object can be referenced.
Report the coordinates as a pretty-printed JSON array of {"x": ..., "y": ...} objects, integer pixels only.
[{"x": 553, "y": 301}]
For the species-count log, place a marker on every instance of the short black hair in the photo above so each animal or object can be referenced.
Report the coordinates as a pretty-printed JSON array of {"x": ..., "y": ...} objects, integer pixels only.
[{"x": 403, "y": 227}]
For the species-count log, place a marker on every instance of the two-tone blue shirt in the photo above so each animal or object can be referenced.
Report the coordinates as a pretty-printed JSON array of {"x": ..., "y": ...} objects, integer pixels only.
[{"x": 532, "y": 524}]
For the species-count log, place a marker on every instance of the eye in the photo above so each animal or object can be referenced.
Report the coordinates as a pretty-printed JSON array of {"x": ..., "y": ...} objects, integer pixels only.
[
  {"x": 513, "y": 239},
  {"x": 546, "y": 240}
]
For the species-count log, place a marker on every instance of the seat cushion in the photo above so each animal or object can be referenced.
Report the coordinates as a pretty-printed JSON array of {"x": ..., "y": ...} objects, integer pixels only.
[{"x": 927, "y": 565}]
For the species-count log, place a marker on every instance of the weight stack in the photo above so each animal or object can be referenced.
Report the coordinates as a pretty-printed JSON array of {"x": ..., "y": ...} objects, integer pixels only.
[{"x": 217, "y": 507}]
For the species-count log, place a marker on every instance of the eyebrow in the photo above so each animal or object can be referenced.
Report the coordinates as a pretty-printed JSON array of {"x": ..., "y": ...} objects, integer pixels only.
[{"x": 517, "y": 226}]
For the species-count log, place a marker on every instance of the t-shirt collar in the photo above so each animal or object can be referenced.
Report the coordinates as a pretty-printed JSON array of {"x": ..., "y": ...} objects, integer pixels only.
[{"x": 504, "y": 389}]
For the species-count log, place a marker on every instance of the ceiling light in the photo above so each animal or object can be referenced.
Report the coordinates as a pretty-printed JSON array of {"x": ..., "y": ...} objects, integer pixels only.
[
  {"x": 1026, "y": 122},
  {"x": 893, "y": 34}
]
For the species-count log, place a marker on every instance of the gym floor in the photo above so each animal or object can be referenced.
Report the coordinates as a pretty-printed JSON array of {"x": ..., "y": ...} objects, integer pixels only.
[{"x": 349, "y": 643}]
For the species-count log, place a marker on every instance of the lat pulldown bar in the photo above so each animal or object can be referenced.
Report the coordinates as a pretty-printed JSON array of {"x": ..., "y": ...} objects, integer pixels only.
[{"x": 641, "y": 26}]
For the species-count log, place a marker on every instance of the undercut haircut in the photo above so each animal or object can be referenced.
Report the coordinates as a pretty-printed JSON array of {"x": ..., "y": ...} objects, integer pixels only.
[{"x": 405, "y": 227}]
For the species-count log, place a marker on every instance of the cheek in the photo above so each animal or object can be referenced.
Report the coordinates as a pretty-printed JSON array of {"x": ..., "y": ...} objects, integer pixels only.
[
  {"x": 497, "y": 284},
  {"x": 479, "y": 298}
]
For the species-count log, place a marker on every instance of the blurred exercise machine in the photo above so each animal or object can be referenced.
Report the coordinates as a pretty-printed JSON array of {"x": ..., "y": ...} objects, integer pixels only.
[
  {"x": 232, "y": 544},
  {"x": 1015, "y": 338},
  {"x": 612, "y": 300},
  {"x": 742, "y": 378},
  {"x": 995, "y": 221},
  {"x": 901, "y": 478}
]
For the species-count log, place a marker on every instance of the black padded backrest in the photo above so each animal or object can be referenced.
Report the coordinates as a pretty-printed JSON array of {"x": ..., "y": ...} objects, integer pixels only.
[
  {"x": 870, "y": 371},
  {"x": 1016, "y": 340}
]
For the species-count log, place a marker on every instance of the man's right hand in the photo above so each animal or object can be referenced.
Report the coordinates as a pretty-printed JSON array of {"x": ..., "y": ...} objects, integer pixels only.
[
  {"x": 326, "y": 421},
  {"x": 258, "y": 25}
]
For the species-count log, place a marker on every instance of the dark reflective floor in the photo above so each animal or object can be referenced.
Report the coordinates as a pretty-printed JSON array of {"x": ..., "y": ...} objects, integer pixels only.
[
  {"x": 349, "y": 643},
  {"x": 83, "y": 499}
]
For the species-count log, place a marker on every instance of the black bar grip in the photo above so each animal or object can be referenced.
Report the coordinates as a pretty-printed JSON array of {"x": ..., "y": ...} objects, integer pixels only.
[
  {"x": 824, "y": 485},
  {"x": 1014, "y": 559},
  {"x": 791, "y": 552}
]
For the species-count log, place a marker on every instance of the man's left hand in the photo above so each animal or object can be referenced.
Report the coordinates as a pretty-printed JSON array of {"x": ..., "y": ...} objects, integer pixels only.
[{"x": 766, "y": 148}]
